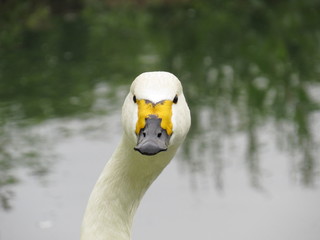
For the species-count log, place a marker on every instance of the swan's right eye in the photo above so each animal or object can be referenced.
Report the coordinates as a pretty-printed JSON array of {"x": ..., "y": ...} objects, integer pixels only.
[
  {"x": 175, "y": 100},
  {"x": 134, "y": 99}
]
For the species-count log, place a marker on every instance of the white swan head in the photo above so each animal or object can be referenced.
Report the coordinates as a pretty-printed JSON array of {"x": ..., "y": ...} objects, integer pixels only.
[{"x": 155, "y": 115}]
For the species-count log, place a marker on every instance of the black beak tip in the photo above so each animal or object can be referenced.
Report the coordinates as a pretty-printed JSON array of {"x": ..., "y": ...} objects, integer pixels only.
[{"x": 149, "y": 150}]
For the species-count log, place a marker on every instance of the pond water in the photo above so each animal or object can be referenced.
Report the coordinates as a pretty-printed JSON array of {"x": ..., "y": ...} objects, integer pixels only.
[
  {"x": 249, "y": 168},
  {"x": 176, "y": 207},
  {"x": 179, "y": 205}
]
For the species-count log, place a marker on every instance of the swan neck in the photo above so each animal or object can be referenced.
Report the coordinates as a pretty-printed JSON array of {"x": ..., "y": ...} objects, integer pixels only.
[{"x": 118, "y": 192}]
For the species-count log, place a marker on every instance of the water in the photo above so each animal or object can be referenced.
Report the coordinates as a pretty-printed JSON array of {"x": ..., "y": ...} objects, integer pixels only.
[
  {"x": 249, "y": 168},
  {"x": 176, "y": 206}
]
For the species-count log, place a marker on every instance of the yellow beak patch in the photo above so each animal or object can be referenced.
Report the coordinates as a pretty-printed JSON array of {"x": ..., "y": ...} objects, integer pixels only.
[{"x": 162, "y": 110}]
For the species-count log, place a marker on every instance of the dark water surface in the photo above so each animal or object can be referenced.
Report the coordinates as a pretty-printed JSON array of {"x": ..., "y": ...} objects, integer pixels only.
[{"x": 251, "y": 74}]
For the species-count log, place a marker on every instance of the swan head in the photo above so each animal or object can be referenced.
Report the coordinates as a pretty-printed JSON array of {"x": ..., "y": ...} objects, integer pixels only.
[{"x": 155, "y": 114}]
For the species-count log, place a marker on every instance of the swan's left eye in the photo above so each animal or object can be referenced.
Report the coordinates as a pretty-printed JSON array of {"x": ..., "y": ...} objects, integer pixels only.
[
  {"x": 134, "y": 99},
  {"x": 175, "y": 100}
]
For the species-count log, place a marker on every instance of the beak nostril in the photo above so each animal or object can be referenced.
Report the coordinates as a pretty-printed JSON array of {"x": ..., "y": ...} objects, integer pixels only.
[
  {"x": 159, "y": 135},
  {"x": 144, "y": 134}
]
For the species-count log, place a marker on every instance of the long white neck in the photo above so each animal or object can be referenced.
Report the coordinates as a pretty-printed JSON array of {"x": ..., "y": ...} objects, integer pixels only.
[{"x": 118, "y": 191}]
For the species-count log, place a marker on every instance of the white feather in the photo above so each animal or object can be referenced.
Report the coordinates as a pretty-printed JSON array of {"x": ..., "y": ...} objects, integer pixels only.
[{"x": 128, "y": 174}]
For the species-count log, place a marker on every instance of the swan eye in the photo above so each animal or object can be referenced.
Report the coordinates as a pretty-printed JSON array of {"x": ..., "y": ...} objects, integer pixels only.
[
  {"x": 175, "y": 100},
  {"x": 134, "y": 99}
]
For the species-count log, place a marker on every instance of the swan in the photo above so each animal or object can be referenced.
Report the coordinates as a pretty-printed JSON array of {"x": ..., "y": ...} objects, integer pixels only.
[{"x": 155, "y": 121}]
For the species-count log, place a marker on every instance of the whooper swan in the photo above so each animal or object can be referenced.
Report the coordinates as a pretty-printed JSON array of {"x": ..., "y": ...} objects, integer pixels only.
[{"x": 155, "y": 120}]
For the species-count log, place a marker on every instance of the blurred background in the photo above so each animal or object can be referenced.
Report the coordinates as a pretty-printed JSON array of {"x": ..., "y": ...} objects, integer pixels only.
[{"x": 249, "y": 168}]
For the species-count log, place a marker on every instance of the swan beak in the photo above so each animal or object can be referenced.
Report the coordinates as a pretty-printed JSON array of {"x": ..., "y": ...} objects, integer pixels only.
[{"x": 152, "y": 139}]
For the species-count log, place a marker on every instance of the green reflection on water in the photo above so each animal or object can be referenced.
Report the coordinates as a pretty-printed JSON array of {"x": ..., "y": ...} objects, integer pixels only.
[{"x": 243, "y": 65}]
